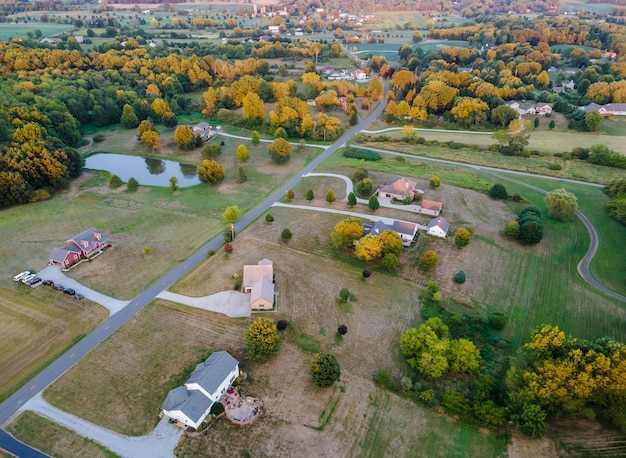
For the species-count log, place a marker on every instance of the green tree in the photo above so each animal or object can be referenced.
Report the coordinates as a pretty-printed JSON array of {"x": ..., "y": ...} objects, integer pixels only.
[
  {"x": 115, "y": 181},
  {"x": 373, "y": 203},
  {"x": 280, "y": 150},
  {"x": 459, "y": 277},
  {"x": 531, "y": 421},
  {"x": 129, "y": 119},
  {"x": 429, "y": 259},
  {"x": 498, "y": 191},
  {"x": 132, "y": 184},
  {"x": 170, "y": 120},
  {"x": 330, "y": 196},
  {"x": 241, "y": 175},
  {"x": 351, "y": 199},
  {"x": 462, "y": 238},
  {"x": 184, "y": 137},
  {"x": 531, "y": 232},
  {"x": 364, "y": 187},
  {"x": 463, "y": 356},
  {"x": 561, "y": 204},
  {"x": 231, "y": 214},
  {"x": 269, "y": 218},
  {"x": 325, "y": 369},
  {"x": 211, "y": 150},
  {"x": 262, "y": 340},
  {"x": 242, "y": 153},
  {"x": 286, "y": 235},
  {"x": 391, "y": 262},
  {"x": 210, "y": 172},
  {"x": 309, "y": 195},
  {"x": 173, "y": 183},
  {"x": 536, "y": 122},
  {"x": 552, "y": 124},
  {"x": 435, "y": 182},
  {"x": 255, "y": 138},
  {"x": 593, "y": 119}
]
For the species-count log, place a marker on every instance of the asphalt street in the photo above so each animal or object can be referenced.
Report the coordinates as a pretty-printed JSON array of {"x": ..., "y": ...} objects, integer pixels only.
[{"x": 11, "y": 405}]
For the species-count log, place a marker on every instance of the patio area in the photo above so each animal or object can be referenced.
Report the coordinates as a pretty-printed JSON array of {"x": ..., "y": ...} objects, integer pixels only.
[{"x": 238, "y": 410}]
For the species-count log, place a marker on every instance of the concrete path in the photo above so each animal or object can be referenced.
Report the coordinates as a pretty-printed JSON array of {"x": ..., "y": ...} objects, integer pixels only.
[
  {"x": 230, "y": 303},
  {"x": 421, "y": 129},
  {"x": 262, "y": 140},
  {"x": 160, "y": 443},
  {"x": 55, "y": 274},
  {"x": 349, "y": 184},
  {"x": 385, "y": 220}
]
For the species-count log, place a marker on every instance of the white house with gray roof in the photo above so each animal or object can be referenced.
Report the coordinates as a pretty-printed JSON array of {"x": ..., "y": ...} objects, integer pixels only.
[
  {"x": 191, "y": 403},
  {"x": 438, "y": 227},
  {"x": 405, "y": 230}
]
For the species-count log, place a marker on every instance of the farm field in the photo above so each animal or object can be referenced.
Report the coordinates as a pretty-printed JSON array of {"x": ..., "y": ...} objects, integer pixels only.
[{"x": 54, "y": 439}]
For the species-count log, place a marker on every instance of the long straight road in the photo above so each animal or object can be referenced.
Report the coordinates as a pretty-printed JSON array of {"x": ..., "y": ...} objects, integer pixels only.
[{"x": 10, "y": 406}]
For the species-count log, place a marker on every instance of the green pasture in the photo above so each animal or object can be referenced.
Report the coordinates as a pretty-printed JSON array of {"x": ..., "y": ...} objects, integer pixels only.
[
  {"x": 583, "y": 5},
  {"x": 436, "y": 436},
  {"x": 8, "y": 31}
]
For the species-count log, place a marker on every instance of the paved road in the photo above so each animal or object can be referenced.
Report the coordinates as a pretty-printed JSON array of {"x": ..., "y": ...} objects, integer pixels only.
[
  {"x": 434, "y": 131},
  {"x": 10, "y": 406},
  {"x": 583, "y": 265}
]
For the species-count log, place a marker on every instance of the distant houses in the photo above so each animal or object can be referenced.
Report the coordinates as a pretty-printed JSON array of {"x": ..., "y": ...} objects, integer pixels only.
[
  {"x": 205, "y": 130},
  {"x": 83, "y": 245},
  {"x": 610, "y": 109},
  {"x": 541, "y": 109},
  {"x": 192, "y": 402},
  {"x": 400, "y": 189}
]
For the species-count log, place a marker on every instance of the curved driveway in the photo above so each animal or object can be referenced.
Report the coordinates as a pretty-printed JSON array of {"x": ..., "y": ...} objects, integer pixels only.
[
  {"x": 583, "y": 265},
  {"x": 11, "y": 405}
]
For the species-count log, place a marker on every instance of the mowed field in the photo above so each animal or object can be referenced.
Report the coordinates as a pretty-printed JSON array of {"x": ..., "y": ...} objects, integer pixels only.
[
  {"x": 36, "y": 324},
  {"x": 8, "y": 31},
  {"x": 122, "y": 383}
]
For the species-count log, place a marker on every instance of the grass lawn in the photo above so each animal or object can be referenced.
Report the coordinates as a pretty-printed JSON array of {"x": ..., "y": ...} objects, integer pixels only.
[
  {"x": 36, "y": 325},
  {"x": 123, "y": 382},
  {"x": 573, "y": 169},
  {"x": 54, "y": 439}
]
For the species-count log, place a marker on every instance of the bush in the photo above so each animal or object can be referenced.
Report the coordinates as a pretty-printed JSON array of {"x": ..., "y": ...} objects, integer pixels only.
[
  {"x": 281, "y": 325},
  {"x": 383, "y": 379},
  {"x": 364, "y": 187},
  {"x": 285, "y": 235},
  {"x": 555, "y": 167},
  {"x": 269, "y": 218},
  {"x": 363, "y": 154},
  {"x": 210, "y": 253},
  {"x": 289, "y": 194},
  {"x": 115, "y": 181},
  {"x": 325, "y": 370},
  {"x": 366, "y": 273},
  {"x": 228, "y": 248},
  {"x": 459, "y": 277},
  {"x": 132, "y": 184},
  {"x": 39, "y": 195},
  {"x": 359, "y": 174},
  {"x": 330, "y": 196},
  {"x": 429, "y": 260},
  {"x": 497, "y": 320},
  {"x": 352, "y": 199},
  {"x": 99, "y": 137},
  {"x": 342, "y": 330},
  {"x": 435, "y": 182},
  {"x": 498, "y": 191},
  {"x": 309, "y": 195},
  {"x": 390, "y": 261},
  {"x": 373, "y": 203},
  {"x": 345, "y": 295}
]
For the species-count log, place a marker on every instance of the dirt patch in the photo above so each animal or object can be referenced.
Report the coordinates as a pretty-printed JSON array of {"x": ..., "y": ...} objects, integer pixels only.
[{"x": 524, "y": 447}]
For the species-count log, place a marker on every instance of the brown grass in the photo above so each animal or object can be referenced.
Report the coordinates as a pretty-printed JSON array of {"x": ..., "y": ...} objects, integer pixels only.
[{"x": 36, "y": 325}]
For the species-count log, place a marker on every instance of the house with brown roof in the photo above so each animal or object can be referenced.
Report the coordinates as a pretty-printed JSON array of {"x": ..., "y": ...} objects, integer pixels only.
[
  {"x": 431, "y": 207},
  {"x": 258, "y": 281},
  {"x": 80, "y": 246}
]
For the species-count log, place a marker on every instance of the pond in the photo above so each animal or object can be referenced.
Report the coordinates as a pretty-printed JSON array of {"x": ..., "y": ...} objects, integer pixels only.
[{"x": 147, "y": 171}]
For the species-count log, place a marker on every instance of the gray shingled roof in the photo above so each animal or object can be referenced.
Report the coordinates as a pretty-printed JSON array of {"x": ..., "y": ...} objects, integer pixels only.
[
  {"x": 195, "y": 406},
  {"x": 91, "y": 236},
  {"x": 440, "y": 222},
  {"x": 175, "y": 397},
  {"x": 210, "y": 374},
  {"x": 58, "y": 254}
]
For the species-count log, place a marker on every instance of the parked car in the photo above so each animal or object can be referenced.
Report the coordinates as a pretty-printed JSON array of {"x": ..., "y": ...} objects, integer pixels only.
[
  {"x": 28, "y": 278},
  {"x": 58, "y": 287},
  {"x": 34, "y": 281},
  {"x": 78, "y": 296},
  {"x": 48, "y": 283},
  {"x": 21, "y": 275},
  {"x": 70, "y": 291}
]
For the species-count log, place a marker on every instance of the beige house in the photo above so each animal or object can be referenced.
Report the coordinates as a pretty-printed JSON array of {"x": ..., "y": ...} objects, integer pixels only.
[
  {"x": 540, "y": 109},
  {"x": 258, "y": 281},
  {"x": 431, "y": 207}
]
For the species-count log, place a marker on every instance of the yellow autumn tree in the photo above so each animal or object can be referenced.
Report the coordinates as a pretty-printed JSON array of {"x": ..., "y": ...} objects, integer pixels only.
[
  {"x": 184, "y": 137},
  {"x": 369, "y": 247},
  {"x": 346, "y": 232}
]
